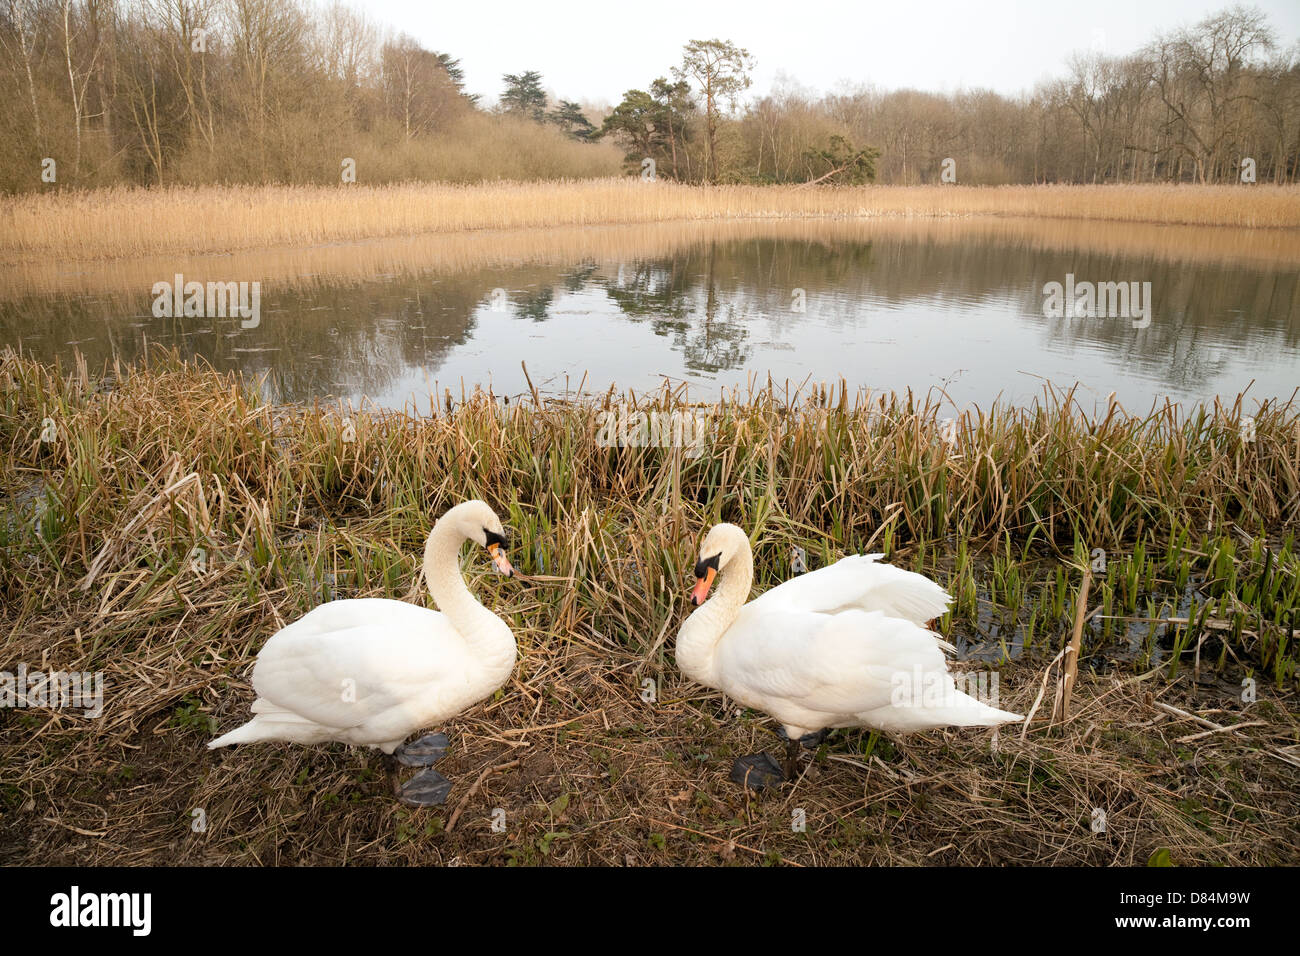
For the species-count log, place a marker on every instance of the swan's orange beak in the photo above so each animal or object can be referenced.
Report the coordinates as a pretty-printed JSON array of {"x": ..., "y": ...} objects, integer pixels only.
[
  {"x": 499, "y": 559},
  {"x": 700, "y": 593}
]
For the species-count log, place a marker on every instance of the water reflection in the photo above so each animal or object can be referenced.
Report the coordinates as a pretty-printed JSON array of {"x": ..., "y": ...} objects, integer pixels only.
[{"x": 885, "y": 308}]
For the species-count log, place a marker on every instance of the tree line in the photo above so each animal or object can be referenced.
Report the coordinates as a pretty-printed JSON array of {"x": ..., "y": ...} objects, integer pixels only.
[
  {"x": 192, "y": 91},
  {"x": 99, "y": 92},
  {"x": 1215, "y": 102}
]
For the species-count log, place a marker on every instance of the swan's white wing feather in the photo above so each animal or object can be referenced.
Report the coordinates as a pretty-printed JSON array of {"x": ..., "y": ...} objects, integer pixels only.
[
  {"x": 834, "y": 664},
  {"x": 861, "y": 582},
  {"x": 864, "y": 668},
  {"x": 363, "y": 663}
]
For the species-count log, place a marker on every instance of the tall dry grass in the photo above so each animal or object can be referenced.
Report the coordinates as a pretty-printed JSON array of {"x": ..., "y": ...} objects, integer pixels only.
[
  {"x": 445, "y": 254},
  {"x": 116, "y": 223},
  {"x": 100, "y": 523},
  {"x": 99, "y": 527},
  {"x": 821, "y": 468}
]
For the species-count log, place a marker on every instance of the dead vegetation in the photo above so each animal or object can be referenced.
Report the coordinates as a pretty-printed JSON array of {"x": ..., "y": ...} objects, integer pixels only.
[
  {"x": 171, "y": 522},
  {"x": 124, "y": 223}
]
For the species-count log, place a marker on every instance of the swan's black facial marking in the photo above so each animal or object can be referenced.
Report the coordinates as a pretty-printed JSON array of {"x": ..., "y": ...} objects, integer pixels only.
[
  {"x": 496, "y": 547},
  {"x": 702, "y": 567}
]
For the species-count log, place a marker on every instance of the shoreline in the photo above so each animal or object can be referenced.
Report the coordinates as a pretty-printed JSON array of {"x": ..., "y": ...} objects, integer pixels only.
[
  {"x": 358, "y": 260},
  {"x": 114, "y": 224}
]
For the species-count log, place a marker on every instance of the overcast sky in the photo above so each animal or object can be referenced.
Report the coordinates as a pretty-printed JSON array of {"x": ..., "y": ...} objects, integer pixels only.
[{"x": 594, "y": 50}]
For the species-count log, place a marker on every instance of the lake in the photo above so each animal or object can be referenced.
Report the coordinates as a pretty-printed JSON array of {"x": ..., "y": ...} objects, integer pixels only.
[{"x": 886, "y": 305}]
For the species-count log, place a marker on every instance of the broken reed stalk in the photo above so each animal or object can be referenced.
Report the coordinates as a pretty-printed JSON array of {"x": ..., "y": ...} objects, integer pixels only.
[{"x": 1070, "y": 667}]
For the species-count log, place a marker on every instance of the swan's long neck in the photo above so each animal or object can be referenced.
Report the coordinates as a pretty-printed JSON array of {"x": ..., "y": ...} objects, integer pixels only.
[
  {"x": 488, "y": 637},
  {"x": 698, "y": 639}
]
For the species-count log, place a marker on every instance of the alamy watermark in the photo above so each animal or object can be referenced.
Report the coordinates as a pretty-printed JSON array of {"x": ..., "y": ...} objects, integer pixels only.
[
  {"x": 56, "y": 689},
  {"x": 75, "y": 908},
  {"x": 626, "y": 427},
  {"x": 1098, "y": 300},
  {"x": 213, "y": 300}
]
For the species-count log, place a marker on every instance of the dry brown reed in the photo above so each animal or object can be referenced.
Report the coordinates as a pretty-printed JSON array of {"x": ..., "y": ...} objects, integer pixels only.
[
  {"x": 122, "y": 223},
  {"x": 457, "y": 253}
]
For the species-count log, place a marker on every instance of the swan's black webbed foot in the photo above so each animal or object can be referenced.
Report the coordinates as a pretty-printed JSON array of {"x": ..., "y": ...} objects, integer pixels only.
[
  {"x": 809, "y": 741},
  {"x": 814, "y": 740},
  {"x": 424, "y": 752},
  {"x": 428, "y": 788},
  {"x": 757, "y": 772}
]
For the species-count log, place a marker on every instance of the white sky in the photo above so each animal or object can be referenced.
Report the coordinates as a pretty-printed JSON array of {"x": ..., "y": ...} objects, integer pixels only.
[{"x": 594, "y": 50}]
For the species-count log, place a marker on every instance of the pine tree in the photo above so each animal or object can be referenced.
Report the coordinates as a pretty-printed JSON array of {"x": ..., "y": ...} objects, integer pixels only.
[
  {"x": 570, "y": 118},
  {"x": 524, "y": 95}
]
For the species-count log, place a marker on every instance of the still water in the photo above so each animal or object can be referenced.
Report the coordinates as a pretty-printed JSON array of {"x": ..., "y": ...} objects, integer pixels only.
[{"x": 886, "y": 307}]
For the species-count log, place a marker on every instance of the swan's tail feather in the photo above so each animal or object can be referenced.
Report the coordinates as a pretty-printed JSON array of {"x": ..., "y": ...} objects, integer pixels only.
[
  {"x": 269, "y": 722},
  {"x": 963, "y": 710},
  {"x": 244, "y": 734},
  {"x": 979, "y": 715},
  {"x": 956, "y": 709}
]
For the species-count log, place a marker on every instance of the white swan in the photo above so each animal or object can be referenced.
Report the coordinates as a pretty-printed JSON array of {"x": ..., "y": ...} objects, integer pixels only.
[
  {"x": 372, "y": 671},
  {"x": 844, "y": 646}
]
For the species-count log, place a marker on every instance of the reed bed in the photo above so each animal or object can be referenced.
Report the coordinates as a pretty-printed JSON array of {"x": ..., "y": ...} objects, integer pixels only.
[
  {"x": 120, "y": 223},
  {"x": 159, "y": 523},
  {"x": 465, "y": 252}
]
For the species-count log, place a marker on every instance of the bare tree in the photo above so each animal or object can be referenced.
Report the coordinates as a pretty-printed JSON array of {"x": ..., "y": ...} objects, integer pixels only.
[
  {"x": 1199, "y": 74},
  {"x": 24, "y": 20},
  {"x": 418, "y": 90}
]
